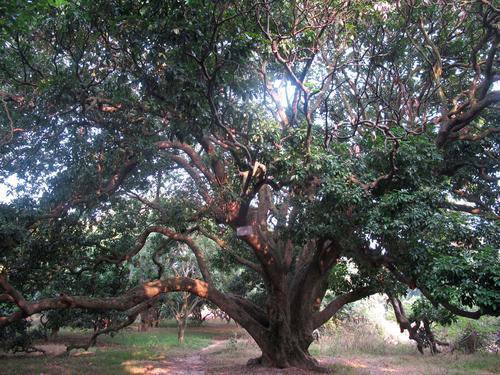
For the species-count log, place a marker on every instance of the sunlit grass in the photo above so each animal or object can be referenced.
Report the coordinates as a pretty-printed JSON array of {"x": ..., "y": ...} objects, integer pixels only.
[
  {"x": 124, "y": 347},
  {"x": 358, "y": 340},
  {"x": 347, "y": 370}
]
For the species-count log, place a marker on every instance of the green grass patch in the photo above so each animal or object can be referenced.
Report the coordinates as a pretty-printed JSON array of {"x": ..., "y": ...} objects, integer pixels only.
[
  {"x": 159, "y": 340},
  {"x": 123, "y": 348},
  {"x": 357, "y": 341},
  {"x": 102, "y": 362}
]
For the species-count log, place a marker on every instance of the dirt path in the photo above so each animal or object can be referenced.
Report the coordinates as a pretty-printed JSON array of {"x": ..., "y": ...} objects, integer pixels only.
[
  {"x": 201, "y": 362},
  {"x": 193, "y": 364}
]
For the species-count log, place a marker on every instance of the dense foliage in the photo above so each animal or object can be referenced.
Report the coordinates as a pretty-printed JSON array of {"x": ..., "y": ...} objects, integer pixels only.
[{"x": 297, "y": 148}]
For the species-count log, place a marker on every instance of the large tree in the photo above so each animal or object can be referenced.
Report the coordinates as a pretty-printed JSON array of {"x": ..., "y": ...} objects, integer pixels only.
[{"x": 349, "y": 146}]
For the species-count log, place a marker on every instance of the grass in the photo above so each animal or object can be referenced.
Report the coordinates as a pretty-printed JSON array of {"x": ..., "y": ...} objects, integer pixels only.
[
  {"x": 117, "y": 353},
  {"x": 358, "y": 339},
  {"x": 346, "y": 351},
  {"x": 478, "y": 364},
  {"x": 361, "y": 349},
  {"x": 159, "y": 340},
  {"x": 339, "y": 369},
  {"x": 470, "y": 364}
]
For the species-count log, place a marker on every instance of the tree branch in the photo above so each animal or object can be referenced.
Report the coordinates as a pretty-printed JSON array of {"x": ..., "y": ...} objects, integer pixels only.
[
  {"x": 331, "y": 309},
  {"x": 412, "y": 284},
  {"x": 223, "y": 245},
  {"x": 193, "y": 155}
]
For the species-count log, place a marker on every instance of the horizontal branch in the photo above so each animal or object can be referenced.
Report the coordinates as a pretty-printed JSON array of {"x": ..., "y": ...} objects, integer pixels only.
[
  {"x": 471, "y": 210},
  {"x": 121, "y": 303},
  {"x": 115, "y": 326},
  {"x": 477, "y": 137},
  {"x": 135, "y": 297},
  {"x": 6, "y": 298}
]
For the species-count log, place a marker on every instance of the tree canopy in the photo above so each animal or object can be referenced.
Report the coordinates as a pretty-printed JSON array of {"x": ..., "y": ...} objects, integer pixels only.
[{"x": 348, "y": 146}]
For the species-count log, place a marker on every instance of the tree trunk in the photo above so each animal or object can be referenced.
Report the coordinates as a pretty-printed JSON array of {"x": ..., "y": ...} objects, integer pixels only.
[
  {"x": 287, "y": 349},
  {"x": 288, "y": 336},
  {"x": 54, "y": 332},
  {"x": 181, "y": 329},
  {"x": 148, "y": 318}
]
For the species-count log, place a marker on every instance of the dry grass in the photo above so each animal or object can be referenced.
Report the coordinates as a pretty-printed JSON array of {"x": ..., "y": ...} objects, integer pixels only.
[{"x": 363, "y": 338}]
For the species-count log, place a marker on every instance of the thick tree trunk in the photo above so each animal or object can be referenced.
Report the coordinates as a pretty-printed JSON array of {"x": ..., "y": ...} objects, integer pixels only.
[
  {"x": 288, "y": 337},
  {"x": 287, "y": 349}
]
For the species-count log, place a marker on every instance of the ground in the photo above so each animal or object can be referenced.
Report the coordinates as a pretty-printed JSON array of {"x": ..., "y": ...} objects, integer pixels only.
[{"x": 219, "y": 348}]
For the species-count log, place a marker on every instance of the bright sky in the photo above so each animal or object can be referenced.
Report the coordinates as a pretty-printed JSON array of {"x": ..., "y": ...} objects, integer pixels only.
[{"x": 4, "y": 197}]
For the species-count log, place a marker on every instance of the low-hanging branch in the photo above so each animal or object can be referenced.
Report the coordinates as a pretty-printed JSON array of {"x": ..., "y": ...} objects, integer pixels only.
[
  {"x": 124, "y": 302},
  {"x": 131, "y": 314}
]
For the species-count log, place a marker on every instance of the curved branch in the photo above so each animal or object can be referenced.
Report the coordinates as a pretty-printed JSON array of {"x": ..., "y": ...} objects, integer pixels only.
[
  {"x": 455, "y": 310},
  {"x": 119, "y": 175},
  {"x": 198, "y": 253},
  {"x": 15, "y": 295},
  {"x": 404, "y": 323},
  {"x": 193, "y": 155},
  {"x": 449, "y": 128},
  {"x": 193, "y": 174},
  {"x": 136, "y": 296},
  {"x": 223, "y": 245},
  {"x": 331, "y": 309}
]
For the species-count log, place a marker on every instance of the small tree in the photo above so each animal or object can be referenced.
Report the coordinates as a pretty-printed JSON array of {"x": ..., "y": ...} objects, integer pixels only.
[{"x": 181, "y": 305}]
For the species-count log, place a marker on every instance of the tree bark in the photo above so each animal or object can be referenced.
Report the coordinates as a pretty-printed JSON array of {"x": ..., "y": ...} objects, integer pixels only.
[
  {"x": 181, "y": 325},
  {"x": 287, "y": 350},
  {"x": 149, "y": 318},
  {"x": 54, "y": 333}
]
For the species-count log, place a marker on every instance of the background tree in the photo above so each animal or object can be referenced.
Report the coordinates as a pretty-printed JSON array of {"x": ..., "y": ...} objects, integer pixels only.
[
  {"x": 165, "y": 259},
  {"x": 348, "y": 146},
  {"x": 181, "y": 305}
]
